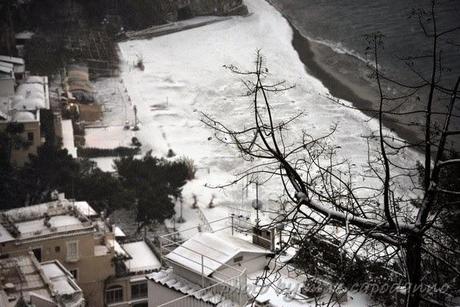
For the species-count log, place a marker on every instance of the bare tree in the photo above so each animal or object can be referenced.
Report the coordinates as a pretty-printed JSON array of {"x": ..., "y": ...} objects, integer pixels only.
[{"x": 327, "y": 203}]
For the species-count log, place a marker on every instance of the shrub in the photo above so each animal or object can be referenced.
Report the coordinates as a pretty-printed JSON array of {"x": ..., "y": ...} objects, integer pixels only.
[
  {"x": 190, "y": 167},
  {"x": 92, "y": 152}
]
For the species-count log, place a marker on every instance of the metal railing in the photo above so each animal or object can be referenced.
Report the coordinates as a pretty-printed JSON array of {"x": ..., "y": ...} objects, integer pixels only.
[
  {"x": 205, "y": 263},
  {"x": 219, "y": 281},
  {"x": 205, "y": 223},
  {"x": 211, "y": 296}
]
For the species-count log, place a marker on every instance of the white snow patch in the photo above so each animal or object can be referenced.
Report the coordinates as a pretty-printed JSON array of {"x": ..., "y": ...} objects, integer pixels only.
[
  {"x": 67, "y": 137},
  {"x": 183, "y": 78},
  {"x": 143, "y": 258},
  {"x": 216, "y": 248}
]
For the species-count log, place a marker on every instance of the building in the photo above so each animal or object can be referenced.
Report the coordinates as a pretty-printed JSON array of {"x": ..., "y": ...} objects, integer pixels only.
[
  {"x": 109, "y": 273},
  {"x": 21, "y": 39},
  {"x": 129, "y": 285},
  {"x": 69, "y": 232},
  {"x": 208, "y": 269},
  {"x": 19, "y": 66},
  {"x": 20, "y": 116},
  {"x": 24, "y": 280},
  {"x": 77, "y": 84}
]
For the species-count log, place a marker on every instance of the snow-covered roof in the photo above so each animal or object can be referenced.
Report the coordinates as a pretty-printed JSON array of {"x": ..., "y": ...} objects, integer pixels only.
[
  {"x": 217, "y": 249},
  {"x": 67, "y": 137},
  {"x": 143, "y": 259},
  {"x": 38, "y": 211},
  {"x": 23, "y": 272},
  {"x": 33, "y": 103},
  {"x": 38, "y": 227},
  {"x": 118, "y": 232},
  {"x": 5, "y": 236},
  {"x": 13, "y": 60},
  {"x": 30, "y": 96},
  {"x": 6, "y": 68},
  {"x": 30, "y": 221},
  {"x": 34, "y": 94},
  {"x": 62, "y": 282},
  {"x": 24, "y": 35},
  {"x": 24, "y": 116},
  {"x": 117, "y": 247},
  {"x": 6, "y": 65},
  {"x": 84, "y": 208},
  {"x": 168, "y": 279}
]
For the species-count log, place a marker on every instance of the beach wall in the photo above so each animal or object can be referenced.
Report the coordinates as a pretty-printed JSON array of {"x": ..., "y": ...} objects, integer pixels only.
[{"x": 218, "y": 7}]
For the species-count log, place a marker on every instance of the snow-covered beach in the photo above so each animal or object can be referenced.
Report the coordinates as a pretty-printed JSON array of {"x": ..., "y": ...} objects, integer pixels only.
[{"x": 184, "y": 76}]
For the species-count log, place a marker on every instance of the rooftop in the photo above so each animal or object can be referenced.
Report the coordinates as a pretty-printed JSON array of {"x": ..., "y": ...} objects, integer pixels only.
[
  {"x": 30, "y": 96},
  {"x": 217, "y": 249},
  {"x": 21, "y": 275},
  {"x": 61, "y": 280},
  {"x": 6, "y": 68},
  {"x": 12, "y": 60},
  {"x": 67, "y": 137},
  {"x": 24, "y": 35},
  {"x": 142, "y": 257},
  {"x": 45, "y": 219}
]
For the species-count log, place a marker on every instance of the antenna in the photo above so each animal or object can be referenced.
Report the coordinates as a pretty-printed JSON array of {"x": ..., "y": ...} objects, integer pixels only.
[{"x": 256, "y": 204}]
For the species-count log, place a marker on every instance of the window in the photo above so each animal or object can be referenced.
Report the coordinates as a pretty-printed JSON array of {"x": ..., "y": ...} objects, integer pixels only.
[
  {"x": 30, "y": 136},
  {"x": 74, "y": 273},
  {"x": 57, "y": 249},
  {"x": 72, "y": 251},
  {"x": 141, "y": 305},
  {"x": 139, "y": 290},
  {"x": 114, "y": 294}
]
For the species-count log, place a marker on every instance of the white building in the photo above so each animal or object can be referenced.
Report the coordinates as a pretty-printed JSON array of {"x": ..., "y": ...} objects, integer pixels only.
[
  {"x": 21, "y": 108},
  {"x": 209, "y": 269},
  {"x": 110, "y": 273}
]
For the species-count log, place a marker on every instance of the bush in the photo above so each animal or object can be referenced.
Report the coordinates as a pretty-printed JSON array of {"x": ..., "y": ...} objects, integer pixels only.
[
  {"x": 92, "y": 152},
  {"x": 189, "y": 166}
]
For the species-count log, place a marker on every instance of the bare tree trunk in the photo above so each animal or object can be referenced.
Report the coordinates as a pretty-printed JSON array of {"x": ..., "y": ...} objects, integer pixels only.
[{"x": 413, "y": 262}]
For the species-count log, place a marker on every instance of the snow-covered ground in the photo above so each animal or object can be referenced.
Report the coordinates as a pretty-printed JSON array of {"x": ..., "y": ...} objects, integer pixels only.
[{"x": 184, "y": 76}]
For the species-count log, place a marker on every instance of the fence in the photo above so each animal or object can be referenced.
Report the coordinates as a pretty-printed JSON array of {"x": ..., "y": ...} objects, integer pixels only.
[{"x": 211, "y": 296}]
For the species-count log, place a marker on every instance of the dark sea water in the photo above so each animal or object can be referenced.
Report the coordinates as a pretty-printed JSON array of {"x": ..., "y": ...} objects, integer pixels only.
[{"x": 342, "y": 24}]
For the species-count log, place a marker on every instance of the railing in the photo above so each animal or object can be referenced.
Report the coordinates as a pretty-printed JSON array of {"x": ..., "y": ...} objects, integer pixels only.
[
  {"x": 224, "y": 282},
  {"x": 51, "y": 230},
  {"x": 211, "y": 296},
  {"x": 203, "y": 263},
  {"x": 205, "y": 223}
]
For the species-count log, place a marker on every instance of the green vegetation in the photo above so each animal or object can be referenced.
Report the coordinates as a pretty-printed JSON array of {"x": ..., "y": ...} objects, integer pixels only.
[{"x": 148, "y": 185}]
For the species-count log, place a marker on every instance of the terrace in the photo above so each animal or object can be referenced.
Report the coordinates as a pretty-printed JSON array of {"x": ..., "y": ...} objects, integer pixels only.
[
  {"x": 211, "y": 266},
  {"x": 45, "y": 220}
]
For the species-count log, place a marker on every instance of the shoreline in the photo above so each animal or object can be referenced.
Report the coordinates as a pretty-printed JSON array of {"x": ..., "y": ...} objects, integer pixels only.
[
  {"x": 320, "y": 60},
  {"x": 326, "y": 65}
]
